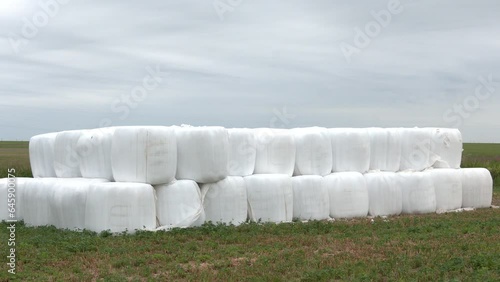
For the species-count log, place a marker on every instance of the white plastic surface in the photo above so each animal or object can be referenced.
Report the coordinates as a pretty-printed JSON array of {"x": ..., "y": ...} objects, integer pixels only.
[
  {"x": 179, "y": 205},
  {"x": 384, "y": 192},
  {"x": 41, "y": 149},
  {"x": 144, "y": 154},
  {"x": 275, "y": 151},
  {"x": 94, "y": 149},
  {"x": 202, "y": 153},
  {"x": 35, "y": 197},
  {"x": 310, "y": 198},
  {"x": 68, "y": 200},
  {"x": 419, "y": 194},
  {"x": 242, "y": 152},
  {"x": 415, "y": 149},
  {"x": 270, "y": 198},
  {"x": 446, "y": 147},
  {"x": 15, "y": 186},
  {"x": 477, "y": 188},
  {"x": 66, "y": 158},
  {"x": 351, "y": 149},
  {"x": 385, "y": 149},
  {"x": 313, "y": 151},
  {"x": 225, "y": 201},
  {"x": 448, "y": 185},
  {"x": 20, "y": 183},
  {"x": 348, "y": 194},
  {"x": 120, "y": 207}
]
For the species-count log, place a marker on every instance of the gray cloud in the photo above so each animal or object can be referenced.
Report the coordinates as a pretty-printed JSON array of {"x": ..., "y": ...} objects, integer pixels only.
[{"x": 264, "y": 55}]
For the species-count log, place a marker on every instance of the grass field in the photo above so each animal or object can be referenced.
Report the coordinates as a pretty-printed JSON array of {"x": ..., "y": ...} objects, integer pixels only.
[
  {"x": 14, "y": 154},
  {"x": 454, "y": 247},
  {"x": 485, "y": 151}
]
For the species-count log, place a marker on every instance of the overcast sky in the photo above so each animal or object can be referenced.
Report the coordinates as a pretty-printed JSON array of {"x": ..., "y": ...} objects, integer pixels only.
[{"x": 77, "y": 64}]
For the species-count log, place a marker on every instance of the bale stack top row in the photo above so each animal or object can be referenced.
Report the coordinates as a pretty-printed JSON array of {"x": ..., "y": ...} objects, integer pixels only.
[{"x": 161, "y": 154}]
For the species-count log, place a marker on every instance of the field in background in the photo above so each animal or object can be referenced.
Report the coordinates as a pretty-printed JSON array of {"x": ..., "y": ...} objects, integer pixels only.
[
  {"x": 14, "y": 154},
  {"x": 478, "y": 151},
  {"x": 454, "y": 246}
]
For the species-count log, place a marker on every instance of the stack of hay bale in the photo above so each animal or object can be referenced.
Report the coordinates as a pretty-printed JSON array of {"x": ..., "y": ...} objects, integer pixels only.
[{"x": 156, "y": 177}]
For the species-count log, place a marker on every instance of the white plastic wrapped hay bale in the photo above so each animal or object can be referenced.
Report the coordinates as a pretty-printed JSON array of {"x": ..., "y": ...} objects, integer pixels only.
[
  {"x": 68, "y": 201},
  {"x": 270, "y": 198},
  {"x": 19, "y": 184},
  {"x": 446, "y": 147},
  {"x": 94, "y": 149},
  {"x": 275, "y": 151},
  {"x": 351, "y": 149},
  {"x": 12, "y": 204},
  {"x": 120, "y": 206},
  {"x": 310, "y": 198},
  {"x": 225, "y": 201},
  {"x": 418, "y": 192},
  {"x": 179, "y": 205},
  {"x": 415, "y": 149},
  {"x": 448, "y": 185},
  {"x": 34, "y": 198},
  {"x": 348, "y": 194},
  {"x": 41, "y": 150},
  {"x": 144, "y": 154},
  {"x": 313, "y": 151},
  {"x": 385, "y": 149},
  {"x": 242, "y": 152},
  {"x": 477, "y": 188},
  {"x": 66, "y": 158},
  {"x": 384, "y": 192},
  {"x": 202, "y": 153}
]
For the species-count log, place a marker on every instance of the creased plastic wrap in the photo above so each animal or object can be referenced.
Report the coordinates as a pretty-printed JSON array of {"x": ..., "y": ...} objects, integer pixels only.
[
  {"x": 448, "y": 185},
  {"x": 270, "y": 198},
  {"x": 41, "y": 149},
  {"x": 275, "y": 151},
  {"x": 446, "y": 147},
  {"x": 418, "y": 192},
  {"x": 242, "y": 152},
  {"x": 313, "y": 151},
  {"x": 351, "y": 149},
  {"x": 179, "y": 205},
  {"x": 94, "y": 149},
  {"x": 35, "y": 199},
  {"x": 310, "y": 198},
  {"x": 415, "y": 149},
  {"x": 202, "y": 153},
  {"x": 477, "y": 188},
  {"x": 146, "y": 154},
  {"x": 225, "y": 201},
  {"x": 120, "y": 207},
  {"x": 385, "y": 149},
  {"x": 68, "y": 202},
  {"x": 384, "y": 192},
  {"x": 348, "y": 194},
  {"x": 66, "y": 158}
]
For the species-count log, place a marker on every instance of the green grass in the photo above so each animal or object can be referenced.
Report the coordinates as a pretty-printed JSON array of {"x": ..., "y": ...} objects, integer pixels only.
[
  {"x": 14, "y": 154},
  {"x": 476, "y": 150},
  {"x": 458, "y": 246},
  {"x": 451, "y": 247}
]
